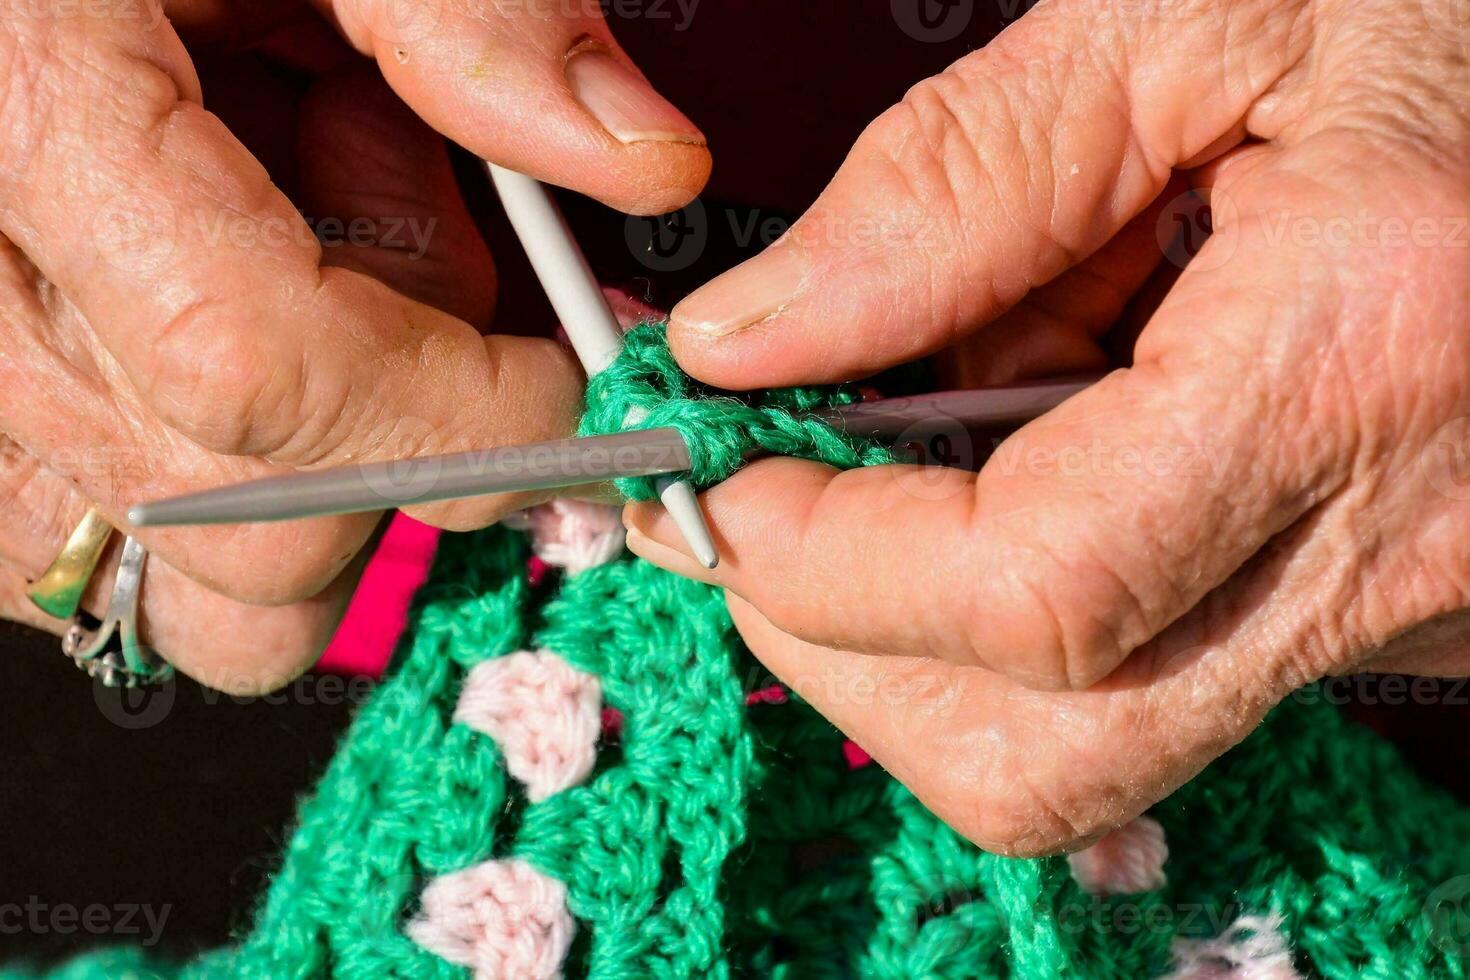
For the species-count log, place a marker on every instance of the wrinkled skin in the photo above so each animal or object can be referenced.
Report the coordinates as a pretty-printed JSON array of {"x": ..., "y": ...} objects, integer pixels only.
[
  {"x": 168, "y": 322},
  {"x": 1276, "y": 489}
]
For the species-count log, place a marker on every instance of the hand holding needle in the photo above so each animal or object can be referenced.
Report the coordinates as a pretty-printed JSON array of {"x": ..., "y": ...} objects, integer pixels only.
[{"x": 588, "y": 320}]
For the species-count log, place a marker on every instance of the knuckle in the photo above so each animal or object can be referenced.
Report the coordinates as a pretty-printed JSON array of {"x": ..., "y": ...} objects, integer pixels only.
[
  {"x": 52, "y": 57},
  {"x": 922, "y": 155},
  {"x": 212, "y": 375},
  {"x": 1054, "y": 622}
]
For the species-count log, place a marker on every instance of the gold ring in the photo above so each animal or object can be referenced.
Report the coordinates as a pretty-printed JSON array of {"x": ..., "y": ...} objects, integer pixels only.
[{"x": 58, "y": 592}]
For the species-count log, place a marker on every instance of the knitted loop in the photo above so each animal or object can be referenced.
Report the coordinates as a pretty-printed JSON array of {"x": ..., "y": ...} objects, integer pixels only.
[{"x": 720, "y": 430}]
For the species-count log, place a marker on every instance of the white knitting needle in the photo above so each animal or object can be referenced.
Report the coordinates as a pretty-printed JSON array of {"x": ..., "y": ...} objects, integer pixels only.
[{"x": 588, "y": 321}]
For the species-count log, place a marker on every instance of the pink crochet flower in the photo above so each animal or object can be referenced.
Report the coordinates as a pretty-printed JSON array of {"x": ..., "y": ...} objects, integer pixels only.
[
  {"x": 503, "y": 919},
  {"x": 572, "y": 534},
  {"x": 544, "y": 714},
  {"x": 1252, "y": 948},
  {"x": 1125, "y": 862}
]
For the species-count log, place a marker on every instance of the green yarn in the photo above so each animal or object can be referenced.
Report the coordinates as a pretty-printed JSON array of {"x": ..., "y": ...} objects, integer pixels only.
[
  {"x": 726, "y": 840},
  {"x": 720, "y": 839},
  {"x": 720, "y": 429}
]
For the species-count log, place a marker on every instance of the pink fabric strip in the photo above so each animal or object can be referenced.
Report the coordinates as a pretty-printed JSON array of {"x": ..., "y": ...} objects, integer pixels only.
[{"x": 378, "y": 612}]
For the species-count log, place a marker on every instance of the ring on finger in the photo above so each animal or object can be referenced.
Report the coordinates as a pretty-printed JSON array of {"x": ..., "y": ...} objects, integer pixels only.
[
  {"x": 58, "y": 592},
  {"x": 112, "y": 652}
]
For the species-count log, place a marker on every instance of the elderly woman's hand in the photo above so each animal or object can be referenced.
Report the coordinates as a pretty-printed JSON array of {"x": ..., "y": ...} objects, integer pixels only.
[
  {"x": 169, "y": 322},
  {"x": 1275, "y": 489}
]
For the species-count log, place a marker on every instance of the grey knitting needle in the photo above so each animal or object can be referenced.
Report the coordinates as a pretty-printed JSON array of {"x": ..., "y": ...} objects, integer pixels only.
[
  {"x": 979, "y": 408},
  {"x": 425, "y": 479},
  {"x": 588, "y": 320},
  {"x": 565, "y": 462}
]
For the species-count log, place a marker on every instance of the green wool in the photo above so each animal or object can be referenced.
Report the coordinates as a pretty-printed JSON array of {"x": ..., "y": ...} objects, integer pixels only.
[
  {"x": 720, "y": 839},
  {"x": 721, "y": 430}
]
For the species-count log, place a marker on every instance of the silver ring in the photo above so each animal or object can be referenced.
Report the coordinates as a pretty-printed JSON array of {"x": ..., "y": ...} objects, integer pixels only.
[{"x": 112, "y": 653}]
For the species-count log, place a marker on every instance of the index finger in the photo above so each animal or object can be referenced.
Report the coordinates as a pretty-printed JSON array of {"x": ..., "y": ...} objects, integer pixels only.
[
  {"x": 537, "y": 86},
  {"x": 997, "y": 175}
]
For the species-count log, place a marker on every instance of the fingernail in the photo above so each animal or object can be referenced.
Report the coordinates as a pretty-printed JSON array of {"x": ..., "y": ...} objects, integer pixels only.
[
  {"x": 667, "y": 556},
  {"x": 746, "y": 295},
  {"x": 625, "y": 104}
]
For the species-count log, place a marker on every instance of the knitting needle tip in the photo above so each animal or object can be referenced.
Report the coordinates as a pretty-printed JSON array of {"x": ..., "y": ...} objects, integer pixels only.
[{"x": 679, "y": 500}]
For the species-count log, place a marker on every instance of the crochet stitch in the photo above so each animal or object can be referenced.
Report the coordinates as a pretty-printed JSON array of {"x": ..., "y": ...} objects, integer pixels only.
[
  {"x": 720, "y": 430},
  {"x": 721, "y": 834}
]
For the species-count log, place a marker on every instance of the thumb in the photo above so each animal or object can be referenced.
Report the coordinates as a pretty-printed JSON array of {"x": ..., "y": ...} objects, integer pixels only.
[
  {"x": 539, "y": 87},
  {"x": 995, "y": 176}
]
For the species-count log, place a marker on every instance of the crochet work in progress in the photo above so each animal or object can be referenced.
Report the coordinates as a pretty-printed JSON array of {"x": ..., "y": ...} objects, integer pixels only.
[{"x": 591, "y": 776}]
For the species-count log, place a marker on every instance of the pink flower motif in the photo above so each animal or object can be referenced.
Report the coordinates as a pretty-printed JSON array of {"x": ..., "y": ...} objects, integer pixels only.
[
  {"x": 503, "y": 919},
  {"x": 1125, "y": 862},
  {"x": 1252, "y": 948},
  {"x": 572, "y": 534},
  {"x": 544, "y": 714}
]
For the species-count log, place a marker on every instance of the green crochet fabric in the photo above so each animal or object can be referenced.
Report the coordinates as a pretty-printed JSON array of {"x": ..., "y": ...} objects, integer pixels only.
[
  {"x": 717, "y": 838},
  {"x": 720, "y": 430}
]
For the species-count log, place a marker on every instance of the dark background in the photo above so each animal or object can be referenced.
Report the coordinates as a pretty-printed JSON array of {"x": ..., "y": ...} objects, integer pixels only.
[{"x": 184, "y": 801}]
